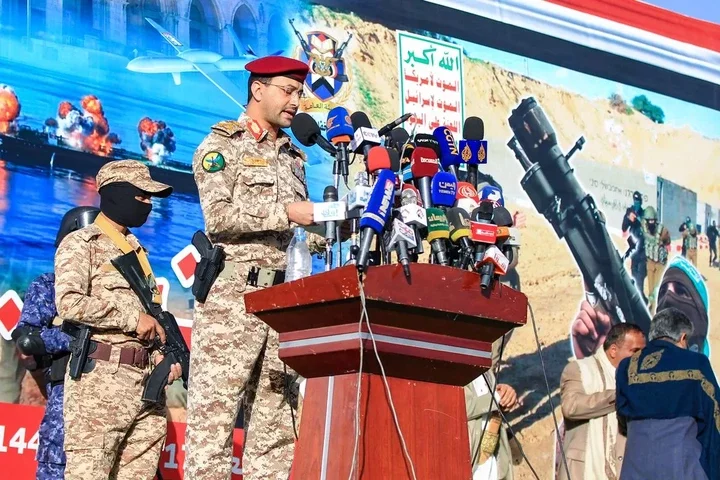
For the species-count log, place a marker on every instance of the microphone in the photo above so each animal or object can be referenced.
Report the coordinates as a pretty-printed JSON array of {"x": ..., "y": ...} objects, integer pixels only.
[
  {"x": 423, "y": 166},
  {"x": 339, "y": 132},
  {"x": 378, "y": 159},
  {"x": 504, "y": 220},
  {"x": 449, "y": 154},
  {"x": 376, "y": 215},
  {"x": 402, "y": 237},
  {"x": 398, "y": 121},
  {"x": 398, "y": 138},
  {"x": 443, "y": 189},
  {"x": 473, "y": 149},
  {"x": 394, "y": 159},
  {"x": 467, "y": 204},
  {"x": 502, "y": 216},
  {"x": 413, "y": 214},
  {"x": 365, "y": 136},
  {"x": 307, "y": 132},
  {"x": 356, "y": 200},
  {"x": 427, "y": 140},
  {"x": 493, "y": 263},
  {"x": 459, "y": 221},
  {"x": 467, "y": 190},
  {"x": 492, "y": 194},
  {"x": 328, "y": 212},
  {"x": 467, "y": 197},
  {"x": 438, "y": 233},
  {"x": 482, "y": 231}
]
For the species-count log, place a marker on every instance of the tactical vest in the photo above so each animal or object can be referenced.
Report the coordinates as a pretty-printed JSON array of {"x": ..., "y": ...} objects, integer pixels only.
[
  {"x": 654, "y": 249},
  {"x": 691, "y": 240}
]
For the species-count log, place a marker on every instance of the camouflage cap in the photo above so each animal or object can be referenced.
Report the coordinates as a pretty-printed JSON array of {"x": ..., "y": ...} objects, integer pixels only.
[{"x": 133, "y": 172}]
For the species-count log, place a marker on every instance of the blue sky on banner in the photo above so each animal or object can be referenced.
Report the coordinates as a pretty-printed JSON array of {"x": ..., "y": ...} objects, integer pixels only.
[{"x": 708, "y": 10}]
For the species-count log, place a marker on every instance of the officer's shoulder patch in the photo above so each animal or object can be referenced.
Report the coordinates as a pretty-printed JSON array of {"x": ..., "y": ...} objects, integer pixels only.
[
  {"x": 213, "y": 162},
  {"x": 228, "y": 128}
]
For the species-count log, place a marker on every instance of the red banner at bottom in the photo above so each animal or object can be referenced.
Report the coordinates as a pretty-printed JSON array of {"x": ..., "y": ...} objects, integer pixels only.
[{"x": 19, "y": 442}]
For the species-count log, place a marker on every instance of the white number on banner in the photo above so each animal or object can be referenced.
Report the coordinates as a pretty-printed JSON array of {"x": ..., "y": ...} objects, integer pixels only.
[
  {"x": 3, "y": 448},
  {"x": 34, "y": 441},
  {"x": 18, "y": 441},
  {"x": 236, "y": 470},
  {"x": 172, "y": 448}
]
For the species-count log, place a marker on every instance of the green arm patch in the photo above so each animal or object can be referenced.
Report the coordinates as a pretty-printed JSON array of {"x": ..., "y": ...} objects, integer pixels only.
[{"x": 213, "y": 162}]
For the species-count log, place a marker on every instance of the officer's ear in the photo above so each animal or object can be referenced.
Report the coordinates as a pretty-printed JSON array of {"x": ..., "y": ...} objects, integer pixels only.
[{"x": 257, "y": 89}]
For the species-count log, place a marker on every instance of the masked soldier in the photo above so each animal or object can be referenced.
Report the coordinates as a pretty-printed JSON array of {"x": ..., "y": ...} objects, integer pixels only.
[
  {"x": 690, "y": 240},
  {"x": 37, "y": 339},
  {"x": 632, "y": 224},
  {"x": 109, "y": 431},
  {"x": 251, "y": 181},
  {"x": 657, "y": 239}
]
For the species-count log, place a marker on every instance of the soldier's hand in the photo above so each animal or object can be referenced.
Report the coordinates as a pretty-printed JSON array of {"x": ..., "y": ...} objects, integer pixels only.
[
  {"x": 148, "y": 327},
  {"x": 301, "y": 213},
  {"x": 175, "y": 373},
  {"x": 175, "y": 370},
  {"x": 589, "y": 330}
]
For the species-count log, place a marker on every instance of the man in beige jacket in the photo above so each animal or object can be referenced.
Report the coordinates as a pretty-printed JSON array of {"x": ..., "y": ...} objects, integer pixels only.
[{"x": 593, "y": 446}]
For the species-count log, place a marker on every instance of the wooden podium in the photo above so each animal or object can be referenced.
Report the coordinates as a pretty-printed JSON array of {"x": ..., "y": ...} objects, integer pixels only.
[{"x": 433, "y": 335}]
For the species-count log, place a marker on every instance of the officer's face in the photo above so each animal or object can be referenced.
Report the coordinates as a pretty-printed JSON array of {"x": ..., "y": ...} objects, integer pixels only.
[{"x": 280, "y": 100}]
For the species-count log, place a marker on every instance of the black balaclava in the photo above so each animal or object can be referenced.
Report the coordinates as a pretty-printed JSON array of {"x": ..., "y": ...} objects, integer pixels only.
[
  {"x": 118, "y": 203},
  {"x": 687, "y": 301}
]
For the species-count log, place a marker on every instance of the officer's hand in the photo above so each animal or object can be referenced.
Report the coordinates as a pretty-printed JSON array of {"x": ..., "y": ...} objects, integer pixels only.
[
  {"x": 148, "y": 327},
  {"x": 589, "y": 330},
  {"x": 301, "y": 213},
  {"x": 508, "y": 397},
  {"x": 632, "y": 216}
]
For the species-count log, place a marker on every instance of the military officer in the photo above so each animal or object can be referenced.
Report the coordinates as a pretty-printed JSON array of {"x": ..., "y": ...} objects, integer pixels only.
[
  {"x": 109, "y": 431},
  {"x": 252, "y": 187}
]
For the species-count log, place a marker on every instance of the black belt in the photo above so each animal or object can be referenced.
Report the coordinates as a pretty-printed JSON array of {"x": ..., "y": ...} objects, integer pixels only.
[{"x": 265, "y": 277}]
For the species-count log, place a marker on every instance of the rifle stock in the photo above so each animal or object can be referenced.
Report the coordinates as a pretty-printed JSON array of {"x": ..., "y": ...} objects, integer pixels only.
[{"x": 175, "y": 349}]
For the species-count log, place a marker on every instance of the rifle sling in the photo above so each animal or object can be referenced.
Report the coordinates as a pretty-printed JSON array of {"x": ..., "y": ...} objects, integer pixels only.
[{"x": 121, "y": 242}]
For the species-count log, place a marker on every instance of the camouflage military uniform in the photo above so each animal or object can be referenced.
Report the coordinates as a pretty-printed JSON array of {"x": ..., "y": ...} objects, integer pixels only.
[
  {"x": 39, "y": 312},
  {"x": 107, "y": 426},
  {"x": 657, "y": 257},
  {"x": 109, "y": 431},
  {"x": 690, "y": 242},
  {"x": 245, "y": 178}
]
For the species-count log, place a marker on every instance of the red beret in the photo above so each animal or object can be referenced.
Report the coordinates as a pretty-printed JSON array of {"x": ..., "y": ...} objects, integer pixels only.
[{"x": 276, "y": 66}]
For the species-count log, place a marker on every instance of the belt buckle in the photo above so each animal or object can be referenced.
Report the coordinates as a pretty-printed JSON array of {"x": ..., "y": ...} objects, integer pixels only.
[{"x": 265, "y": 278}]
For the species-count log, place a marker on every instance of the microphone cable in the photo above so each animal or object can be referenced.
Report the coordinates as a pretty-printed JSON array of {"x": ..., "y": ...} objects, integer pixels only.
[
  {"x": 549, "y": 393},
  {"x": 364, "y": 315}
]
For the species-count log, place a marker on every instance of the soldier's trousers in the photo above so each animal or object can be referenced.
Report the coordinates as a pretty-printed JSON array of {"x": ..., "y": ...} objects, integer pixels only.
[
  {"x": 692, "y": 255},
  {"x": 655, "y": 271},
  {"x": 234, "y": 355},
  {"x": 109, "y": 432}
]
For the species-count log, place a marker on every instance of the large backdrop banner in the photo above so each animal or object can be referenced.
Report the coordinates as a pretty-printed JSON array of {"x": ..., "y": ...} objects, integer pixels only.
[{"x": 83, "y": 82}]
